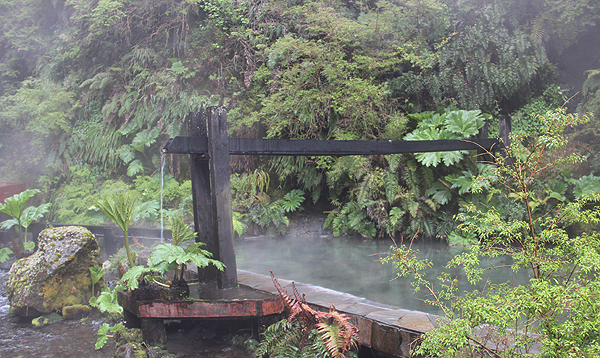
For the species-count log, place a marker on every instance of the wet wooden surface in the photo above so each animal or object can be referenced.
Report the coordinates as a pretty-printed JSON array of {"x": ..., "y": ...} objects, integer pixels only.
[{"x": 241, "y": 302}]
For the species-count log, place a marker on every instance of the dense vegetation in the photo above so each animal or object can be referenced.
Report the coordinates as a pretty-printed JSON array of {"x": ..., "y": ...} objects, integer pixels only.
[{"x": 90, "y": 90}]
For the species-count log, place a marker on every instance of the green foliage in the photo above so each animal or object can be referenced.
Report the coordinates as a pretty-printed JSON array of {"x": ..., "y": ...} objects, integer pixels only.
[
  {"x": 96, "y": 274},
  {"x": 587, "y": 185},
  {"x": 107, "y": 301},
  {"x": 22, "y": 216},
  {"x": 180, "y": 231},
  {"x": 252, "y": 205},
  {"x": 308, "y": 333},
  {"x": 292, "y": 201},
  {"x": 476, "y": 64},
  {"x": 4, "y": 254},
  {"x": 102, "y": 84},
  {"x": 132, "y": 277},
  {"x": 526, "y": 119},
  {"x": 448, "y": 125},
  {"x": 552, "y": 312},
  {"x": 102, "y": 336},
  {"x": 120, "y": 209},
  {"x": 166, "y": 257}
]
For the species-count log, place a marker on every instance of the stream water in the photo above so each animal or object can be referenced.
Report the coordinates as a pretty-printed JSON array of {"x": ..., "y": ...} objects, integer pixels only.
[
  {"x": 74, "y": 339},
  {"x": 306, "y": 254}
]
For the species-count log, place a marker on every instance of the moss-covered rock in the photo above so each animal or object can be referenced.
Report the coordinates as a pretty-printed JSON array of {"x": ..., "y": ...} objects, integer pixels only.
[
  {"x": 46, "y": 319},
  {"x": 131, "y": 350},
  {"x": 125, "y": 335},
  {"x": 75, "y": 311},
  {"x": 56, "y": 275}
]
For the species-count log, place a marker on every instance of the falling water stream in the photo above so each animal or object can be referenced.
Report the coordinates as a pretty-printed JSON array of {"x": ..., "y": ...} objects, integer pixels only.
[{"x": 162, "y": 184}]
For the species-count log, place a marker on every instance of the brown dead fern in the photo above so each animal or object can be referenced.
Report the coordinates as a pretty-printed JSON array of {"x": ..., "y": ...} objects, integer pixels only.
[{"x": 337, "y": 332}]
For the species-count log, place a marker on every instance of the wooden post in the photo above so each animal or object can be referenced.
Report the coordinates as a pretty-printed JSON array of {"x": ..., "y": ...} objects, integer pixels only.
[
  {"x": 211, "y": 191},
  {"x": 154, "y": 332},
  {"x": 202, "y": 199},
  {"x": 504, "y": 128},
  {"x": 218, "y": 153},
  {"x": 110, "y": 241}
]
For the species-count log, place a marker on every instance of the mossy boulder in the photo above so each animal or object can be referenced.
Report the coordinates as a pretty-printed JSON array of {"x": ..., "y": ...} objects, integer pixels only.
[{"x": 56, "y": 275}]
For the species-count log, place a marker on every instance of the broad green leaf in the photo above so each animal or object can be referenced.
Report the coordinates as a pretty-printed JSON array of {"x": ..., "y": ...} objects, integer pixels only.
[
  {"x": 435, "y": 121},
  {"x": 429, "y": 159},
  {"x": 126, "y": 153},
  {"x": 587, "y": 184},
  {"x": 180, "y": 231},
  {"x": 461, "y": 182},
  {"x": 102, "y": 336},
  {"x": 355, "y": 219},
  {"x": 119, "y": 208},
  {"x": 167, "y": 253},
  {"x": 464, "y": 123},
  {"x": 148, "y": 209},
  {"x": 96, "y": 273},
  {"x": 4, "y": 254},
  {"x": 15, "y": 204},
  {"x": 132, "y": 276},
  {"x": 135, "y": 167},
  {"x": 144, "y": 139},
  {"x": 439, "y": 192},
  {"x": 293, "y": 200},
  {"x": 396, "y": 215},
  {"x": 33, "y": 213},
  {"x": 178, "y": 68},
  {"x": 238, "y": 226},
  {"x": 107, "y": 302},
  {"x": 8, "y": 224},
  {"x": 451, "y": 158}
]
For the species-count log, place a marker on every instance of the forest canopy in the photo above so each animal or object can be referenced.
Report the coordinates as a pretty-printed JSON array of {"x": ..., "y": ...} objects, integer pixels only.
[{"x": 91, "y": 90}]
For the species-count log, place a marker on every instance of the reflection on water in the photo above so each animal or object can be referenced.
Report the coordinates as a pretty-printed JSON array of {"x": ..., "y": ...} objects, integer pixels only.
[{"x": 351, "y": 265}]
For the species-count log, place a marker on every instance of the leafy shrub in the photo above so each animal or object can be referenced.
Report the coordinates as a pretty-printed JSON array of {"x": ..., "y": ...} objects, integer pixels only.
[
  {"x": 555, "y": 312},
  {"x": 23, "y": 216}
]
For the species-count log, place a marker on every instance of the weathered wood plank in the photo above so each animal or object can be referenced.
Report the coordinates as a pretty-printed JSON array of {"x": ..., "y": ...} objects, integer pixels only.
[
  {"x": 218, "y": 154},
  {"x": 249, "y": 146},
  {"x": 204, "y": 218}
]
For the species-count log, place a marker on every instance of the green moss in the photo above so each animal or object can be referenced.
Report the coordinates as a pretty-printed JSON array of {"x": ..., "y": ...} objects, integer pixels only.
[
  {"x": 75, "y": 311},
  {"x": 66, "y": 290}
]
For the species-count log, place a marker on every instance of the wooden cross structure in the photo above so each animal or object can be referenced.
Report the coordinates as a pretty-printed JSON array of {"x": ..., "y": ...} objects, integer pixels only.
[{"x": 209, "y": 148}]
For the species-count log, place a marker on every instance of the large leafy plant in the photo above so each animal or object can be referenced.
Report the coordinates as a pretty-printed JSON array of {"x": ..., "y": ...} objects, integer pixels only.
[
  {"x": 120, "y": 208},
  {"x": 168, "y": 257},
  {"x": 555, "y": 313},
  {"x": 23, "y": 216},
  {"x": 457, "y": 124}
]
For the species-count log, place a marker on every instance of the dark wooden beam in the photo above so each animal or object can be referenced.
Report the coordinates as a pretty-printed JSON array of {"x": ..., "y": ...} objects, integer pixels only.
[
  {"x": 218, "y": 156},
  {"x": 248, "y": 146},
  {"x": 204, "y": 219}
]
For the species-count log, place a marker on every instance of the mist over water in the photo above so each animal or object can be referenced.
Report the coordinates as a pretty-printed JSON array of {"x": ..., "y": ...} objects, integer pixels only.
[{"x": 351, "y": 265}]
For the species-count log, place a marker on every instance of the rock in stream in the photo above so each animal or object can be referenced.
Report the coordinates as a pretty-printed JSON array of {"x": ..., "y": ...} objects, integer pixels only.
[{"x": 56, "y": 275}]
